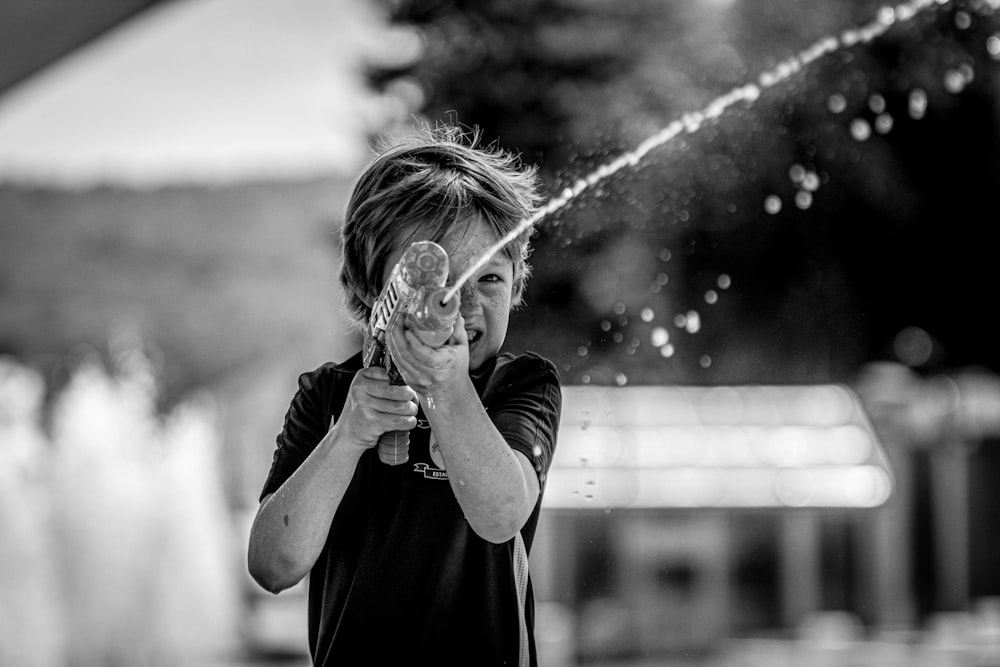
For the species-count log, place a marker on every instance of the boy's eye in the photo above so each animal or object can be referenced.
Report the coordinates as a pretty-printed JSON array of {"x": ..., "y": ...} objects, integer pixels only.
[{"x": 491, "y": 278}]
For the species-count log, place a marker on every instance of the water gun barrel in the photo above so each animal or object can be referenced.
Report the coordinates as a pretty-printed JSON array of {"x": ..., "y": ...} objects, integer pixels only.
[{"x": 434, "y": 319}]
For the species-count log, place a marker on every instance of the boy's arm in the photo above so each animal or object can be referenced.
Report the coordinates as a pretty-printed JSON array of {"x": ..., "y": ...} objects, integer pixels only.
[
  {"x": 496, "y": 486},
  {"x": 292, "y": 524}
]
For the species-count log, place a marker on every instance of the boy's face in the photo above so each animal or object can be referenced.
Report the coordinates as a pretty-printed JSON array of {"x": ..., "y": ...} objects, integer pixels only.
[{"x": 486, "y": 296}]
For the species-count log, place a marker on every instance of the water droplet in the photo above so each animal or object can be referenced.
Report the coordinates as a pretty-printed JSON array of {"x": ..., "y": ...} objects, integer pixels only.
[
  {"x": 605, "y": 325},
  {"x": 581, "y": 351},
  {"x": 796, "y": 172},
  {"x": 659, "y": 337},
  {"x": 607, "y": 509},
  {"x": 711, "y": 296},
  {"x": 680, "y": 320},
  {"x": 693, "y": 322},
  {"x": 876, "y": 103},
  {"x": 665, "y": 254},
  {"x": 647, "y": 315},
  {"x": 883, "y": 123},
  {"x": 913, "y": 346},
  {"x": 962, "y": 20},
  {"x": 772, "y": 204},
  {"x": 621, "y": 379},
  {"x": 617, "y": 337},
  {"x": 917, "y": 103},
  {"x": 993, "y": 46},
  {"x": 705, "y": 361},
  {"x": 810, "y": 181},
  {"x": 667, "y": 350},
  {"x": 662, "y": 279},
  {"x": 860, "y": 129},
  {"x": 803, "y": 199},
  {"x": 619, "y": 308},
  {"x": 954, "y": 82},
  {"x": 724, "y": 281},
  {"x": 837, "y": 103},
  {"x": 584, "y": 425}
]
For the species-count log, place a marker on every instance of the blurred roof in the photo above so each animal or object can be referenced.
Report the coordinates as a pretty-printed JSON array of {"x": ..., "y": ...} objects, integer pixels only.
[
  {"x": 196, "y": 91},
  {"x": 716, "y": 446}
]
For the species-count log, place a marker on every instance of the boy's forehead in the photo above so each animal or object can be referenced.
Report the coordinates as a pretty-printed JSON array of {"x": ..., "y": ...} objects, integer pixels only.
[{"x": 462, "y": 237}]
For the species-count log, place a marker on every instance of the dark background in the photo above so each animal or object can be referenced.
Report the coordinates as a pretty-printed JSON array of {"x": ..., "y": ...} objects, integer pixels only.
[{"x": 900, "y": 233}]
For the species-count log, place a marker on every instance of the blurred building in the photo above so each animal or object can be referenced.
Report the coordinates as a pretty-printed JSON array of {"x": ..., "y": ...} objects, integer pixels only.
[{"x": 680, "y": 518}]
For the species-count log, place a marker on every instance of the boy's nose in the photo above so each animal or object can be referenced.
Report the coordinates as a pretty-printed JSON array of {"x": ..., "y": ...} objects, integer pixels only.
[{"x": 470, "y": 299}]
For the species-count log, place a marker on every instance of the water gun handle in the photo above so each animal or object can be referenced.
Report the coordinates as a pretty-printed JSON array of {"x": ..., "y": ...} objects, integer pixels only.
[
  {"x": 394, "y": 446},
  {"x": 432, "y": 320}
]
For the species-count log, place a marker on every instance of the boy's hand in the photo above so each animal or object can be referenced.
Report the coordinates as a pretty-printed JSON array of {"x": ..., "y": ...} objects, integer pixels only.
[
  {"x": 428, "y": 369},
  {"x": 374, "y": 406}
]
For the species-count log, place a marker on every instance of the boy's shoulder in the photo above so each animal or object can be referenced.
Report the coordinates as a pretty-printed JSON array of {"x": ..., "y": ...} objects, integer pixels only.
[
  {"x": 330, "y": 372},
  {"x": 526, "y": 364}
]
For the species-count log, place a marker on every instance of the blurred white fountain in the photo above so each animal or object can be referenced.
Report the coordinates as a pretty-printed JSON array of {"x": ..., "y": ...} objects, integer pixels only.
[{"x": 118, "y": 548}]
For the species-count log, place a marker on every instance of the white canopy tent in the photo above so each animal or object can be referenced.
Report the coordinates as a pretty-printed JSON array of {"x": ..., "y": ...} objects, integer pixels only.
[{"x": 205, "y": 91}]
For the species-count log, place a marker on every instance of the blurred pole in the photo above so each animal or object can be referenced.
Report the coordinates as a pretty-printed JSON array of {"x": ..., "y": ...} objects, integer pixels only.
[
  {"x": 884, "y": 551},
  {"x": 553, "y": 575},
  {"x": 950, "y": 507},
  {"x": 800, "y": 566}
]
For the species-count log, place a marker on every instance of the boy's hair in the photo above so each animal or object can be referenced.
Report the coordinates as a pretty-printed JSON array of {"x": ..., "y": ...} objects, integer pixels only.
[{"x": 427, "y": 182}]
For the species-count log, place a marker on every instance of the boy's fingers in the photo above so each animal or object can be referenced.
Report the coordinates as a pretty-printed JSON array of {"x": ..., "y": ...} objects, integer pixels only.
[
  {"x": 374, "y": 373},
  {"x": 394, "y": 407}
]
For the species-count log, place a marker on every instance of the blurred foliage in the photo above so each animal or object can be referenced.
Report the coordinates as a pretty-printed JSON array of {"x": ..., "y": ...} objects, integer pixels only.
[{"x": 895, "y": 231}]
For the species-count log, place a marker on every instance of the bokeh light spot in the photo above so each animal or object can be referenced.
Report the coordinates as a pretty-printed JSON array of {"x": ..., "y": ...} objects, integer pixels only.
[{"x": 861, "y": 130}]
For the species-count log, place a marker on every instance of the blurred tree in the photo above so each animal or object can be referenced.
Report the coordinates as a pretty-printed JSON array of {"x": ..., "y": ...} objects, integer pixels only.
[{"x": 788, "y": 241}]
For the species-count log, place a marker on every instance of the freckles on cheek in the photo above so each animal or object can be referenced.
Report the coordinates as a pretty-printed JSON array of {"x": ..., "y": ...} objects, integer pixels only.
[{"x": 499, "y": 305}]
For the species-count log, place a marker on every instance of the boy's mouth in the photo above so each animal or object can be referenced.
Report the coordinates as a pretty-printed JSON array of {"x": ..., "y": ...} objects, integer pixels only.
[{"x": 473, "y": 335}]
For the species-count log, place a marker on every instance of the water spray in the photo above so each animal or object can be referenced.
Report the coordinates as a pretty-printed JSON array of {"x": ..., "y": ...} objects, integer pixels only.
[{"x": 691, "y": 122}]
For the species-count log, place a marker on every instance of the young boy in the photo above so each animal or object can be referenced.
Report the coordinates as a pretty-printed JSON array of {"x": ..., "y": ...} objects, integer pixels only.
[{"x": 424, "y": 561}]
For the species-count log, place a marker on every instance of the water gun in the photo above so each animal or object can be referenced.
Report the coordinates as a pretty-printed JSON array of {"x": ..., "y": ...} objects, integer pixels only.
[{"x": 413, "y": 294}]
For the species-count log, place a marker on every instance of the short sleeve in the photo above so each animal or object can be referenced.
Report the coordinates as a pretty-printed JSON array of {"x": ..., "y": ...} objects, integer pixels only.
[
  {"x": 306, "y": 422},
  {"x": 524, "y": 401}
]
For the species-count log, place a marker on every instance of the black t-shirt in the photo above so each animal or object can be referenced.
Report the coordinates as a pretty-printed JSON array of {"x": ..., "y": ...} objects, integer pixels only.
[{"x": 403, "y": 578}]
